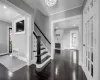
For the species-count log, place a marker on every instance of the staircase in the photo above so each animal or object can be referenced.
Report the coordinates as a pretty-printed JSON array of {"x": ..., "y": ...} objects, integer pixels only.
[
  {"x": 42, "y": 54},
  {"x": 45, "y": 58}
]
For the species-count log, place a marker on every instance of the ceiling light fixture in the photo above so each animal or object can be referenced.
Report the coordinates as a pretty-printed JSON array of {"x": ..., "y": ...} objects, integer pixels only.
[{"x": 50, "y": 3}]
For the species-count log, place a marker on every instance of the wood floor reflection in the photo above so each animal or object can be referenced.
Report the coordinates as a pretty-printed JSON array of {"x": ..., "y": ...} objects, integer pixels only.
[{"x": 63, "y": 67}]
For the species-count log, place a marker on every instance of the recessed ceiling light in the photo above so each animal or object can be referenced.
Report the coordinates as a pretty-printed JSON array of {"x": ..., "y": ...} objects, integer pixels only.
[
  {"x": 74, "y": 25},
  {"x": 10, "y": 55},
  {"x": 5, "y": 7}
]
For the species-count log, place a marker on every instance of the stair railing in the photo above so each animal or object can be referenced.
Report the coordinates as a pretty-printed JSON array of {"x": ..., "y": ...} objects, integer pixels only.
[{"x": 38, "y": 48}]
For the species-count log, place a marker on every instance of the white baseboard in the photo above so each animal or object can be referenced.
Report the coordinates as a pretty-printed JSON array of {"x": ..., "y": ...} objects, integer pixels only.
[
  {"x": 33, "y": 62},
  {"x": 88, "y": 76},
  {"x": 3, "y": 53},
  {"x": 41, "y": 65},
  {"x": 22, "y": 58},
  {"x": 80, "y": 63}
]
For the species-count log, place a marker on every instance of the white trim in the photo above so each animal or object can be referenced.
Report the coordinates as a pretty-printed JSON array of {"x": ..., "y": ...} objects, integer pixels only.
[
  {"x": 33, "y": 62},
  {"x": 16, "y": 54},
  {"x": 29, "y": 39},
  {"x": 41, "y": 65},
  {"x": 68, "y": 18},
  {"x": 52, "y": 31},
  {"x": 23, "y": 32},
  {"x": 22, "y": 58},
  {"x": 65, "y": 10},
  {"x": 16, "y": 15},
  {"x": 88, "y": 76},
  {"x": 3, "y": 53},
  {"x": 42, "y": 57}
]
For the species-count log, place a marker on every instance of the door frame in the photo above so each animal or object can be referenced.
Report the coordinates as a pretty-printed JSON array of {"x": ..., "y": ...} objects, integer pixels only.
[
  {"x": 71, "y": 38},
  {"x": 9, "y": 39},
  {"x": 80, "y": 35}
]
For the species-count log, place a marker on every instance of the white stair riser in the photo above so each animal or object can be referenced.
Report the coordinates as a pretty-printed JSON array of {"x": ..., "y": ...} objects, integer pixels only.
[
  {"x": 43, "y": 64},
  {"x": 42, "y": 57}
]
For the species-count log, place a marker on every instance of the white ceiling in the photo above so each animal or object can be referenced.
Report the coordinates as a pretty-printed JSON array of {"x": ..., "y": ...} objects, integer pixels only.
[
  {"x": 61, "y": 5},
  {"x": 6, "y": 13},
  {"x": 67, "y": 24}
]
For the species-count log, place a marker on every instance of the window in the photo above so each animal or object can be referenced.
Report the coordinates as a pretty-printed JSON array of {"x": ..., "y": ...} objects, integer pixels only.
[{"x": 20, "y": 26}]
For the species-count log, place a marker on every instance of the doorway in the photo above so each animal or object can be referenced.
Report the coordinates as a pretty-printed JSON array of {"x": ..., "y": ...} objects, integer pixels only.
[
  {"x": 10, "y": 40},
  {"x": 21, "y": 40},
  {"x": 67, "y": 23}
]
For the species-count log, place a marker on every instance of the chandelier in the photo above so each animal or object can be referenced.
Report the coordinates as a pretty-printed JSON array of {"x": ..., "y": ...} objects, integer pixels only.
[{"x": 50, "y": 3}]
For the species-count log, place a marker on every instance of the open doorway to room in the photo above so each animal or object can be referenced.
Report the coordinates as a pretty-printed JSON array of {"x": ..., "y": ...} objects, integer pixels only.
[
  {"x": 10, "y": 40},
  {"x": 13, "y": 28},
  {"x": 66, "y": 39},
  {"x": 68, "y": 33}
]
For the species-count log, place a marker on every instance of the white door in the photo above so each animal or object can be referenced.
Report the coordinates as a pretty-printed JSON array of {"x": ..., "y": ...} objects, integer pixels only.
[
  {"x": 89, "y": 38},
  {"x": 74, "y": 39}
]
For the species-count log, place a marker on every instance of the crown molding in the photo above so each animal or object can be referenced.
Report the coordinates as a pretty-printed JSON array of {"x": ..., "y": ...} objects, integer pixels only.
[{"x": 65, "y": 10}]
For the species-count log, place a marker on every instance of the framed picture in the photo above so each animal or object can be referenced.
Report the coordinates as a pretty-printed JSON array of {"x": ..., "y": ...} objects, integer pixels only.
[{"x": 19, "y": 26}]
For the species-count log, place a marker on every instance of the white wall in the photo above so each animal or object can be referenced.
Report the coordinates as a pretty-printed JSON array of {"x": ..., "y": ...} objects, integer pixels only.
[
  {"x": 43, "y": 23},
  {"x": 4, "y": 36},
  {"x": 66, "y": 39},
  {"x": 19, "y": 41}
]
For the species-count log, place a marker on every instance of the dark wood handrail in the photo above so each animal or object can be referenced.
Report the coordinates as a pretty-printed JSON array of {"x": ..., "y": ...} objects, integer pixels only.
[
  {"x": 35, "y": 34},
  {"x": 38, "y": 48},
  {"x": 42, "y": 33}
]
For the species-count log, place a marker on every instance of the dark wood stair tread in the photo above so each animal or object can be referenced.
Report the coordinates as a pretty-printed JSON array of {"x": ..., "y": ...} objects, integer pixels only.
[
  {"x": 47, "y": 57},
  {"x": 42, "y": 48},
  {"x": 44, "y": 53},
  {"x": 34, "y": 51}
]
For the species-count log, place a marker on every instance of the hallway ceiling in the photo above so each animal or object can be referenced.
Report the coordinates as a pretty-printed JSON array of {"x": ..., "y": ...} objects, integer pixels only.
[
  {"x": 61, "y": 5},
  {"x": 67, "y": 24},
  {"x": 6, "y": 13}
]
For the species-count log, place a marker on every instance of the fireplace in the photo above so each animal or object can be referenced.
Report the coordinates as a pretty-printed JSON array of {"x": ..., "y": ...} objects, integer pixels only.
[{"x": 57, "y": 45}]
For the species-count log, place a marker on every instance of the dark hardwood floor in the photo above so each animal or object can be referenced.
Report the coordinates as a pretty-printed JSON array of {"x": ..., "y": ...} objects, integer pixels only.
[{"x": 61, "y": 68}]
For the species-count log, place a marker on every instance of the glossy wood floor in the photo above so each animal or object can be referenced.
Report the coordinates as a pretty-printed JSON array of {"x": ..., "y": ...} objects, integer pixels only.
[{"x": 63, "y": 67}]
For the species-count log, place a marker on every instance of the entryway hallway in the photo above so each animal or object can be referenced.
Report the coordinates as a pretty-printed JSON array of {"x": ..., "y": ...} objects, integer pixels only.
[
  {"x": 61, "y": 68},
  {"x": 39, "y": 32}
]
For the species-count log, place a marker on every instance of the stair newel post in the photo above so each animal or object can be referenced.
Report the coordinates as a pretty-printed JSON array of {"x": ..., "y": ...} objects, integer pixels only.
[{"x": 38, "y": 50}]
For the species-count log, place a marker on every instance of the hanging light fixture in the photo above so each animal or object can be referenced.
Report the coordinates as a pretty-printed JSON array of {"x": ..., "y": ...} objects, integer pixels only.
[{"x": 50, "y": 3}]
